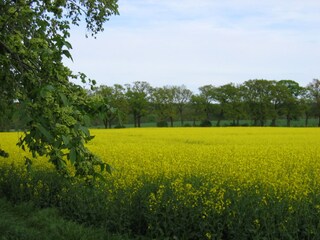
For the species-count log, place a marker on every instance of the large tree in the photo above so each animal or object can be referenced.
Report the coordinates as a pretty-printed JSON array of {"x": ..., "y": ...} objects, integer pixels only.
[
  {"x": 163, "y": 103},
  {"x": 233, "y": 106},
  {"x": 33, "y": 42},
  {"x": 110, "y": 104},
  {"x": 182, "y": 96},
  {"x": 138, "y": 97},
  {"x": 198, "y": 105},
  {"x": 314, "y": 88},
  {"x": 306, "y": 103},
  {"x": 257, "y": 96},
  {"x": 290, "y": 104},
  {"x": 206, "y": 99}
]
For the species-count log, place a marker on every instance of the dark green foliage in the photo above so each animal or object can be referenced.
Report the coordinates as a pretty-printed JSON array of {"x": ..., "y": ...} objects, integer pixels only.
[
  {"x": 162, "y": 124},
  {"x": 26, "y": 222},
  {"x": 3, "y": 153},
  {"x": 138, "y": 96},
  {"x": 119, "y": 126},
  {"x": 33, "y": 41},
  {"x": 205, "y": 123}
]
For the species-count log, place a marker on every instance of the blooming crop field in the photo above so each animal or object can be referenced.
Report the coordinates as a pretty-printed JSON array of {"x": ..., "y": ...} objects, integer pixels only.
[{"x": 208, "y": 183}]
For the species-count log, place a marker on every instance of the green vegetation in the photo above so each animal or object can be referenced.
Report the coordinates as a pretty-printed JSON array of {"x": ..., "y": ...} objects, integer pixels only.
[
  {"x": 26, "y": 222},
  {"x": 257, "y": 102},
  {"x": 184, "y": 183},
  {"x": 192, "y": 183},
  {"x": 35, "y": 83}
]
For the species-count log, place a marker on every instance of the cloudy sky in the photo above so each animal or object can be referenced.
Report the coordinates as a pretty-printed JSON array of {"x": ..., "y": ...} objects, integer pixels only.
[{"x": 176, "y": 42}]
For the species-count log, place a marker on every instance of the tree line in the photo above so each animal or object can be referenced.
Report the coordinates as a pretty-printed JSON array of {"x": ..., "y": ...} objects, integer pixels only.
[
  {"x": 261, "y": 102},
  {"x": 258, "y": 100}
]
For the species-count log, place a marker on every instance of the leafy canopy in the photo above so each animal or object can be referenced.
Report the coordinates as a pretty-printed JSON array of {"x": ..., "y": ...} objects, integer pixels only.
[{"x": 33, "y": 42}]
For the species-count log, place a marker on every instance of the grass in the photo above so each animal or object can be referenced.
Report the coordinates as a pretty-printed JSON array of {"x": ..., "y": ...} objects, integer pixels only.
[{"x": 24, "y": 222}]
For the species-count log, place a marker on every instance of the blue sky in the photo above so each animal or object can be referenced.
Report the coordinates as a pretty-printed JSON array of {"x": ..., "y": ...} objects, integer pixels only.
[{"x": 195, "y": 43}]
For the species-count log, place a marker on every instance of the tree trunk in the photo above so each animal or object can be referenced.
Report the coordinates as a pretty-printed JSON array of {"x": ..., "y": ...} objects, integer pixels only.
[
  {"x": 219, "y": 118},
  {"x": 139, "y": 120},
  {"x": 171, "y": 121},
  {"x": 218, "y": 123},
  {"x": 255, "y": 122},
  {"x": 105, "y": 123},
  {"x": 181, "y": 118},
  {"x": 273, "y": 122},
  {"x": 288, "y": 121},
  {"x": 262, "y": 122},
  {"x": 319, "y": 121},
  {"x": 306, "y": 120},
  {"x": 135, "y": 119},
  {"x": 194, "y": 122}
]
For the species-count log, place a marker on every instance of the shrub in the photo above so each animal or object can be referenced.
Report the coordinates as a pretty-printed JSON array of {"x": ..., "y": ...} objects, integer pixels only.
[
  {"x": 162, "y": 124},
  {"x": 119, "y": 126},
  {"x": 205, "y": 123}
]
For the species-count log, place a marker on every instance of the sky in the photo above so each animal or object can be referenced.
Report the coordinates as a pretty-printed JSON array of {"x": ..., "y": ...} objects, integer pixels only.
[{"x": 196, "y": 43}]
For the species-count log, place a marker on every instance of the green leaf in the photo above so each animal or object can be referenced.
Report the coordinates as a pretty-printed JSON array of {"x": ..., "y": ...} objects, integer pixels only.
[
  {"x": 64, "y": 99},
  {"x": 68, "y": 45},
  {"x": 44, "y": 132},
  {"x": 102, "y": 167},
  {"x": 3, "y": 153},
  {"x": 50, "y": 88},
  {"x": 28, "y": 163},
  {"x": 86, "y": 120},
  {"x": 100, "y": 176},
  {"x": 108, "y": 168},
  {"x": 67, "y": 54},
  {"x": 73, "y": 156},
  {"x": 85, "y": 130},
  {"x": 66, "y": 140}
]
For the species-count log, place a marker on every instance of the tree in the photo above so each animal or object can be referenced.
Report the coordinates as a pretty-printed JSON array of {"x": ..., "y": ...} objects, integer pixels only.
[
  {"x": 198, "y": 105},
  {"x": 33, "y": 42},
  {"x": 138, "y": 96},
  {"x": 110, "y": 104},
  {"x": 289, "y": 99},
  {"x": 276, "y": 96},
  {"x": 7, "y": 109},
  {"x": 163, "y": 102},
  {"x": 228, "y": 97},
  {"x": 181, "y": 98},
  {"x": 306, "y": 103},
  {"x": 206, "y": 95},
  {"x": 314, "y": 88},
  {"x": 257, "y": 95}
]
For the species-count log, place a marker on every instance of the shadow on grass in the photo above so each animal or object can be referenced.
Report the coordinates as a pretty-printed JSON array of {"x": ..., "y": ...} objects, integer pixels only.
[{"x": 24, "y": 222}]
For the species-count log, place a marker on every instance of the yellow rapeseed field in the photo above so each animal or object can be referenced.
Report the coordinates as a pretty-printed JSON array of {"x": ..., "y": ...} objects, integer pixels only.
[
  {"x": 286, "y": 158},
  {"x": 221, "y": 180}
]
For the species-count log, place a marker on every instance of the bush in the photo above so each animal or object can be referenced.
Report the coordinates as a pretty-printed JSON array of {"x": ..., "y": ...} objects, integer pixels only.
[
  {"x": 205, "y": 123},
  {"x": 119, "y": 126},
  {"x": 162, "y": 124}
]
